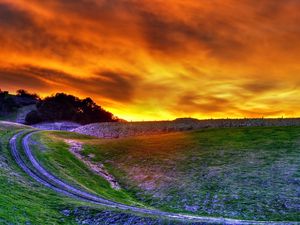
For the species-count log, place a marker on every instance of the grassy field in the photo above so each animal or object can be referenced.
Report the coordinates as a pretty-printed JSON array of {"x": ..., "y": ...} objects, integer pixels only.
[
  {"x": 24, "y": 201},
  {"x": 246, "y": 173},
  {"x": 21, "y": 199},
  {"x": 54, "y": 155}
]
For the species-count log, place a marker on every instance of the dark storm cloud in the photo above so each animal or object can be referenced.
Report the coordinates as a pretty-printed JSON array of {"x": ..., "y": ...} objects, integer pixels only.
[
  {"x": 226, "y": 35},
  {"x": 259, "y": 87},
  {"x": 25, "y": 34},
  {"x": 271, "y": 9},
  {"x": 114, "y": 86},
  {"x": 19, "y": 27},
  {"x": 90, "y": 9},
  {"x": 171, "y": 36},
  {"x": 233, "y": 33},
  {"x": 20, "y": 78},
  {"x": 12, "y": 18},
  {"x": 160, "y": 33},
  {"x": 190, "y": 102}
]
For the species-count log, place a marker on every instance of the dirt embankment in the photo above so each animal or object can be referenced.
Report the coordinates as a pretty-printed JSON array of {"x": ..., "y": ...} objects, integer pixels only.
[
  {"x": 98, "y": 168},
  {"x": 116, "y": 130}
]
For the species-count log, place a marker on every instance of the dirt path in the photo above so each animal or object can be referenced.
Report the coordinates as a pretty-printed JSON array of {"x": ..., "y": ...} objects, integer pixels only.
[
  {"x": 49, "y": 180},
  {"x": 98, "y": 168}
]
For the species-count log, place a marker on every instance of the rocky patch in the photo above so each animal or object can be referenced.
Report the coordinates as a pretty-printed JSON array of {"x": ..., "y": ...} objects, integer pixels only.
[{"x": 127, "y": 129}]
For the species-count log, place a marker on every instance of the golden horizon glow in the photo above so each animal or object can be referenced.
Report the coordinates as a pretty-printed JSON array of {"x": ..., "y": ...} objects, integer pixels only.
[{"x": 157, "y": 59}]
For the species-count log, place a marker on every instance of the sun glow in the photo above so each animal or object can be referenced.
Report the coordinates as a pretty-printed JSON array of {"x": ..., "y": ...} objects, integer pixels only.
[{"x": 151, "y": 60}]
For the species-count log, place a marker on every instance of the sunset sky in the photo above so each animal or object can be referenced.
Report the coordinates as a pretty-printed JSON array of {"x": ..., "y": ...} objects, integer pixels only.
[{"x": 157, "y": 59}]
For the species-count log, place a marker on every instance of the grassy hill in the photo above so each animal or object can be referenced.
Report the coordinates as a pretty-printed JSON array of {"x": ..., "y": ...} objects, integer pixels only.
[
  {"x": 244, "y": 173},
  {"x": 23, "y": 201}
]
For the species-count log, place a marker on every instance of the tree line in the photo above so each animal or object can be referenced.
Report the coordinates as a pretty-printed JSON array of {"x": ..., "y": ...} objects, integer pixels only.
[
  {"x": 65, "y": 107},
  {"x": 10, "y": 103}
]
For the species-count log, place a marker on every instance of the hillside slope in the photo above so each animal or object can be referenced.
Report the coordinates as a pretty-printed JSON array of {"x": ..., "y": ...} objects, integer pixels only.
[
  {"x": 24, "y": 201},
  {"x": 245, "y": 173}
]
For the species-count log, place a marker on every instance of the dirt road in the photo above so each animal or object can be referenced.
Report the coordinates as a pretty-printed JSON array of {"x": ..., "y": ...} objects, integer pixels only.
[{"x": 41, "y": 175}]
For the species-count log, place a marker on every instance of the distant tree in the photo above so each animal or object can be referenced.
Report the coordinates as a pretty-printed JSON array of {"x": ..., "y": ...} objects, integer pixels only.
[
  {"x": 24, "y": 93},
  {"x": 58, "y": 107},
  {"x": 3, "y": 94},
  {"x": 68, "y": 107},
  {"x": 90, "y": 112},
  {"x": 10, "y": 103},
  {"x": 7, "y": 105}
]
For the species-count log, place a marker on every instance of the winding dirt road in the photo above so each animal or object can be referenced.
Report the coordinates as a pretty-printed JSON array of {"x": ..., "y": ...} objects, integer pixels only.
[{"x": 44, "y": 177}]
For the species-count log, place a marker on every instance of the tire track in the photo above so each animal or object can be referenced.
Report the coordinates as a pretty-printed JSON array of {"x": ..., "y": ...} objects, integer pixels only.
[{"x": 42, "y": 176}]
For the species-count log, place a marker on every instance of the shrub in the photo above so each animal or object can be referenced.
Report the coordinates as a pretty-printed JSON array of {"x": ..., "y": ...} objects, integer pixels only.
[{"x": 33, "y": 117}]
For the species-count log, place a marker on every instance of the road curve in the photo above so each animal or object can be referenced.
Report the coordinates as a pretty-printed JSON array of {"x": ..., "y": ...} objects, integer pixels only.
[{"x": 41, "y": 175}]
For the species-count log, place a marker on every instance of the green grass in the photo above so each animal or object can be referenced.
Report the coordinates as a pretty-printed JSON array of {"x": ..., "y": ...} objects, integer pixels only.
[
  {"x": 54, "y": 155},
  {"x": 24, "y": 201},
  {"x": 21, "y": 199},
  {"x": 245, "y": 173}
]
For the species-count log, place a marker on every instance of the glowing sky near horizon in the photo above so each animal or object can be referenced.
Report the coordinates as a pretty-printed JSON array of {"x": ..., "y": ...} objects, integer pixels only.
[{"x": 157, "y": 59}]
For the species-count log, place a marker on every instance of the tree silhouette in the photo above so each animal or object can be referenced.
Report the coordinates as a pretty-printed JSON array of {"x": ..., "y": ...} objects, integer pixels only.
[
  {"x": 62, "y": 107},
  {"x": 26, "y": 94},
  {"x": 7, "y": 103}
]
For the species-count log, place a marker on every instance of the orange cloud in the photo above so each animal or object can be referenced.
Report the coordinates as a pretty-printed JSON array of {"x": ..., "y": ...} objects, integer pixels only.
[{"x": 157, "y": 59}]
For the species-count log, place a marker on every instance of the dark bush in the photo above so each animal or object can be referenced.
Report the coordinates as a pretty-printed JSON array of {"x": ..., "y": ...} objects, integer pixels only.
[{"x": 33, "y": 117}]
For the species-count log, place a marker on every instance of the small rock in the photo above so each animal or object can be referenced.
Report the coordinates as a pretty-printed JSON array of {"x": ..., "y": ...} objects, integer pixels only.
[{"x": 66, "y": 212}]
